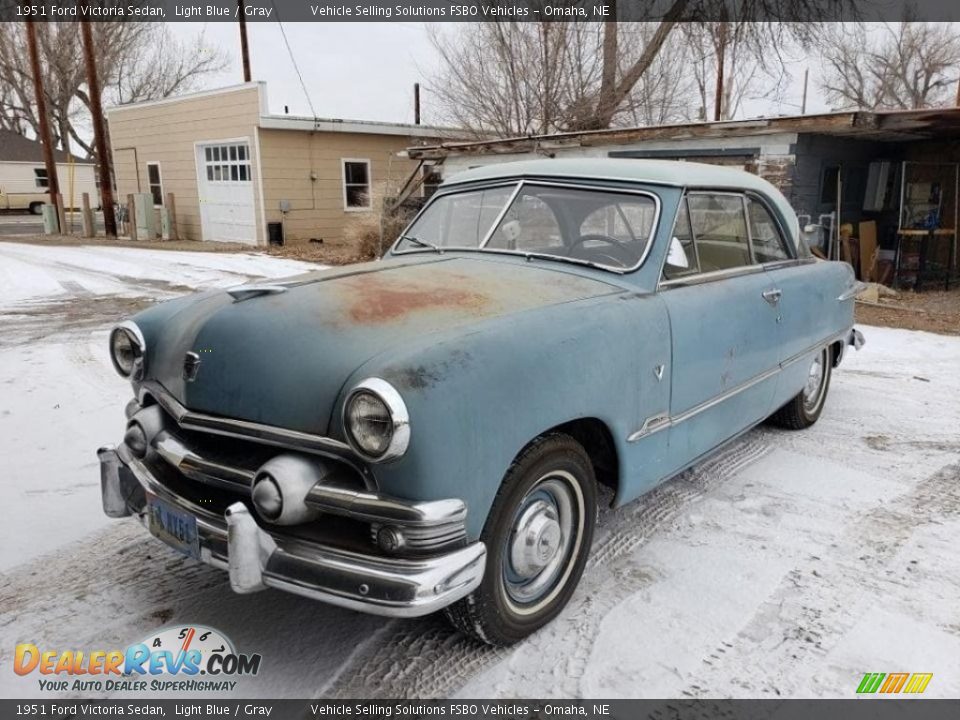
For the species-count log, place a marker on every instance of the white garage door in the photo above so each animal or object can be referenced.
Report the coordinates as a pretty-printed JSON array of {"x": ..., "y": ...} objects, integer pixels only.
[{"x": 226, "y": 192}]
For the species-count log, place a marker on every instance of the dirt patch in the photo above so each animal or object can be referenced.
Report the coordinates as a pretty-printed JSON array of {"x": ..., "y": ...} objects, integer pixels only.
[
  {"x": 73, "y": 241},
  {"x": 936, "y": 311},
  {"x": 326, "y": 253}
]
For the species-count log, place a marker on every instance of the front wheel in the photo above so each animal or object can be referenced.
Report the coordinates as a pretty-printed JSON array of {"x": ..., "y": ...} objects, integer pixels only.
[
  {"x": 538, "y": 537},
  {"x": 805, "y": 408}
]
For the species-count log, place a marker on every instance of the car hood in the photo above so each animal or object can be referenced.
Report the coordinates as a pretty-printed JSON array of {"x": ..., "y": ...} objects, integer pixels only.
[{"x": 283, "y": 358}]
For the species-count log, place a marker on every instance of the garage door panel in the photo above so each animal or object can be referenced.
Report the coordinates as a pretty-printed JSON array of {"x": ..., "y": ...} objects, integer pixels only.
[{"x": 225, "y": 173}]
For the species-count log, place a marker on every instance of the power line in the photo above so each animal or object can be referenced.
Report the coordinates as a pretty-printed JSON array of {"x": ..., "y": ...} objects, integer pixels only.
[{"x": 293, "y": 59}]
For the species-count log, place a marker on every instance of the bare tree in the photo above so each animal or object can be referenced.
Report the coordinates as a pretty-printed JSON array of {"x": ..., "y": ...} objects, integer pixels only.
[
  {"x": 891, "y": 66},
  {"x": 495, "y": 77},
  {"x": 734, "y": 61},
  {"x": 137, "y": 61}
]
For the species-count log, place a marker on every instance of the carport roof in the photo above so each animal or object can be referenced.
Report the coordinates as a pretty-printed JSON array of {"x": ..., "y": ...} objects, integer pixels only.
[
  {"x": 14, "y": 147},
  {"x": 889, "y": 126}
]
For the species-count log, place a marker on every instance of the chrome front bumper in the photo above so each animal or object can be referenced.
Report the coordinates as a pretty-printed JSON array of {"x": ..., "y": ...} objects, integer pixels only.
[{"x": 257, "y": 559}]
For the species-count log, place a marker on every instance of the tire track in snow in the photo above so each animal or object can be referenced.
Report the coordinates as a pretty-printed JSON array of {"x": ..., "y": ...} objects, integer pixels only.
[
  {"x": 426, "y": 658},
  {"x": 821, "y": 600}
]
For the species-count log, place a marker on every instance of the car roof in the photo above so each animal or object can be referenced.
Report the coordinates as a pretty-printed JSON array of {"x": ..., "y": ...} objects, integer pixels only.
[{"x": 675, "y": 173}]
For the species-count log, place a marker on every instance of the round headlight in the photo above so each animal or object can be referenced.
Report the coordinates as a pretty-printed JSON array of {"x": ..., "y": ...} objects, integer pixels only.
[
  {"x": 126, "y": 349},
  {"x": 375, "y": 421}
]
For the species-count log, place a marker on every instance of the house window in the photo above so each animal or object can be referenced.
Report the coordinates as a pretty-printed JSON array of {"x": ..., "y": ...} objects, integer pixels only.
[
  {"x": 356, "y": 184},
  {"x": 156, "y": 186},
  {"x": 40, "y": 177},
  {"x": 227, "y": 163}
]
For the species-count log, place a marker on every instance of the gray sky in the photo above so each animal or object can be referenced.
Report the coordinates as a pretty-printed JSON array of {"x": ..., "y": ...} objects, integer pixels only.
[
  {"x": 360, "y": 71},
  {"x": 366, "y": 71}
]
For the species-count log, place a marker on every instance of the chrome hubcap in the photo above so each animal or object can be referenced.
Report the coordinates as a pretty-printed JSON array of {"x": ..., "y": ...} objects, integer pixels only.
[
  {"x": 536, "y": 539},
  {"x": 814, "y": 386},
  {"x": 544, "y": 530}
]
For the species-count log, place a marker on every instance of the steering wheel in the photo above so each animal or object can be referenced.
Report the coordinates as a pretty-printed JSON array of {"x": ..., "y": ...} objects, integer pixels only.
[
  {"x": 626, "y": 256},
  {"x": 596, "y": 236}
]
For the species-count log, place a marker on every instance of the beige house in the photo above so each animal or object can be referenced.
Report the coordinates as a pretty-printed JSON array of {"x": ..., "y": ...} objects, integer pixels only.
[{"x": 240, "y": 174}]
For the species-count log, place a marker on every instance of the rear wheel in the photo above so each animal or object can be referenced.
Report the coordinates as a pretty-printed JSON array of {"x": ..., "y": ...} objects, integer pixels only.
[
  {"x": 36, "y": 208},
  {"x": 805, "y": 408},
  {"x": 538, "y": 537}
]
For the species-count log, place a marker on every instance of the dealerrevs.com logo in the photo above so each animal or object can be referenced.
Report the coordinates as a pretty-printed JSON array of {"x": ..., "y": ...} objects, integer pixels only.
[{"x": 183, "y": 658}]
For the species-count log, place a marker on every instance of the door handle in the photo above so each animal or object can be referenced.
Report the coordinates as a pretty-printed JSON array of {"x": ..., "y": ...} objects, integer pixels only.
[{"x": 772, "y": 296}]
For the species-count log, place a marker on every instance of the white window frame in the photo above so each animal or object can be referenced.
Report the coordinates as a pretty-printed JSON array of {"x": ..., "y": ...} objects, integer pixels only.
[
  {"x": 343, "y": 182},
  {"x": 160, "y": 176}
]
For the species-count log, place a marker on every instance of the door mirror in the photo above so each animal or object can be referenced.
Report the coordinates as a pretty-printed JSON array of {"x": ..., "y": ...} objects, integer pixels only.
[{"x": 676, "y": 255}]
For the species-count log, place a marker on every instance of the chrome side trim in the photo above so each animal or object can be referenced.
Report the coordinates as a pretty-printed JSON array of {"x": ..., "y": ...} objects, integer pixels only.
[
  {"x": 711, "y": 276},
  {"x": 656, "y": 423}
]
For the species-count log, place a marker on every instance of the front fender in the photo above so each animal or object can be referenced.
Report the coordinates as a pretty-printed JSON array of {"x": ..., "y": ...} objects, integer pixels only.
[{"x": 477, "y": 398}]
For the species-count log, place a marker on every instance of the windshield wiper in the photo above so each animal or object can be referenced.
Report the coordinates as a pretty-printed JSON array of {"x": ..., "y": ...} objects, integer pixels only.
[{"x": 422, "y": 243}]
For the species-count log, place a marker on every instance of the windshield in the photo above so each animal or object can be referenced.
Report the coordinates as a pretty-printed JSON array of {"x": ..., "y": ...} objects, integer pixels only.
[{"x": 601, "y": 227}]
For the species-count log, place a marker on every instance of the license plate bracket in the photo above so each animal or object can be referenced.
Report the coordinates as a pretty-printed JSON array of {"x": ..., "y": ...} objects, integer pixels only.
[{"x": 176, "y": 528}]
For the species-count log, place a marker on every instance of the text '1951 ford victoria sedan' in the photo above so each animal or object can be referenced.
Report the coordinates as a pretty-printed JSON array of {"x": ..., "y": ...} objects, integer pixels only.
[{"x": 429, "y": 431}]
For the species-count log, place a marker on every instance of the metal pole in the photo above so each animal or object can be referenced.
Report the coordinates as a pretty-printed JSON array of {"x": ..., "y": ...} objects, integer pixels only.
[
  {"x": 46, "y": 143},
  {"x": 416, "y": 103},
  {"x": 244, "y": 45},
  {"x": 99, "y": 130}
]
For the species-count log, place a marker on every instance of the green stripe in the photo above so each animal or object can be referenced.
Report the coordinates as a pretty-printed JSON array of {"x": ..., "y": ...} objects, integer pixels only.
[
  {"x": 862, "y": 688},
  {"x": 878, "y": 680}
]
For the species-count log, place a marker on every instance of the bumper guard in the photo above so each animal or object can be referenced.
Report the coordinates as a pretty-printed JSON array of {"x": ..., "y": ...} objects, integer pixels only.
[{"x": 257, "y": 559}]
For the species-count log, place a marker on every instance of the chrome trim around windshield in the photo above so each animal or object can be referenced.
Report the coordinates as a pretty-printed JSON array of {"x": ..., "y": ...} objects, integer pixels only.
[{"x": 658, "y": 205}]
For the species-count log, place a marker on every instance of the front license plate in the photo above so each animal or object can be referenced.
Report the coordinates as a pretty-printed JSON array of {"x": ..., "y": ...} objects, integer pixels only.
[{"x": 175, "y": 527}]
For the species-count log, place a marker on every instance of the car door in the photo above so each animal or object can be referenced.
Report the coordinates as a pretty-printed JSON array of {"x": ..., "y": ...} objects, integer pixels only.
[
  {"x": 809, "y": 309},
  {"x": 724, "y": 330}
]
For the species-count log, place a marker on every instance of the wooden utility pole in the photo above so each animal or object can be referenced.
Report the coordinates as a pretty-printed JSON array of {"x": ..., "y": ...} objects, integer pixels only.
[
  {"x": 46, "y": 142},
  {"x": 244, "y": 46},
  {"x": 99, "y": 130},
  {"x": 416, "y": 103},
  {"x": 721, "y": 61}
]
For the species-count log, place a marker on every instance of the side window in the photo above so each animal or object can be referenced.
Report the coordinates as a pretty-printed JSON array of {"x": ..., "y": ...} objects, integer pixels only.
[
  {"x": 682, "y": 254},
  {"x": 720, "y": 231},
  {"x": 765, "y": 238}
]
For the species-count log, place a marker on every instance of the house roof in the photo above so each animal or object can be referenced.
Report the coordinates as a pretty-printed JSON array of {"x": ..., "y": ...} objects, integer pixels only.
[
  {"x": 304, "y": 123},
  {"x": 17, "y": 148},
  {"x": 882, "y": 126}
]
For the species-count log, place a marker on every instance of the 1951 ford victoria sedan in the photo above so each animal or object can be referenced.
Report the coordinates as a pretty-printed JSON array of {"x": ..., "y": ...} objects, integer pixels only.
[{"x": 429, "y": 431}]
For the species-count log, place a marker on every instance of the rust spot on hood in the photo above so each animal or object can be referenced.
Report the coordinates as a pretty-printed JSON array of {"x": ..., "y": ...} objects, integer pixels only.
[{"x": 377, "y": 298}]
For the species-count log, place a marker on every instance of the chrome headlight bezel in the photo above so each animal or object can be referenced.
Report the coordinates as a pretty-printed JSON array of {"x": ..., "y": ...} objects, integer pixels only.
[
  {"x": 399, "y": 420},
  {"x": 138, "y": 345}
]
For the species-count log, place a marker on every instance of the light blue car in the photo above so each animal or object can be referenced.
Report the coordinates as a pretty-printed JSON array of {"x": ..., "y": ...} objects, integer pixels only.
[{"x": 429, "y": 431}]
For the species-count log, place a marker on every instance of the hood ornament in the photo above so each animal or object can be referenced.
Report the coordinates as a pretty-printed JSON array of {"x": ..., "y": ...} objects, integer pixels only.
[
  {"x": 245, "y": 292},
  {"x": 191, "y": 366}
]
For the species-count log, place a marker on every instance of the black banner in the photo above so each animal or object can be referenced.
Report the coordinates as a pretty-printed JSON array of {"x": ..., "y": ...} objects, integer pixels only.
[
  {"x": 863, "y": 709},
  {"x": 477, "y": 10}
]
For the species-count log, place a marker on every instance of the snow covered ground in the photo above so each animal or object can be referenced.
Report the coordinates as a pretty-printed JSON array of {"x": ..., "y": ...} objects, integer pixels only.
[{"x": 787, "y": 565}]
